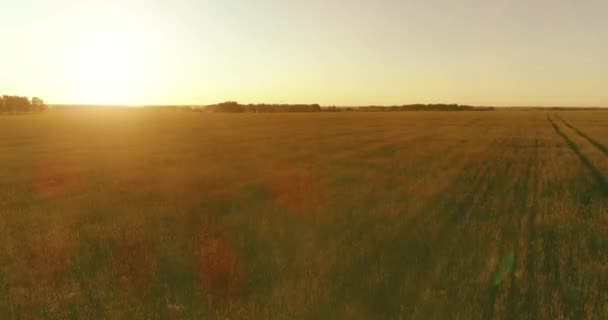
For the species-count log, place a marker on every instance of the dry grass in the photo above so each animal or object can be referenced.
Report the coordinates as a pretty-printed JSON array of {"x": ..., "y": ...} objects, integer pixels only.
[
  {"x": 131, "y": 260},
  {"x": 48, "y": 257},
  {"x": 55, "y": 177},
  {"x": 153, "y": 215},
  {"x": 218, "y": 268},
  {"x": 294, "y": 188}
]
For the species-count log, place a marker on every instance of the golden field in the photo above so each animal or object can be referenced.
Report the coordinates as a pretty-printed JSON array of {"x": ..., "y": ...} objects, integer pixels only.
[{"x": 143, "y": 214}]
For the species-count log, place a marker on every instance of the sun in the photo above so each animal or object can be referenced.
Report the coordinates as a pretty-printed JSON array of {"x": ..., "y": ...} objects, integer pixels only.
[{"x": 106, "y": 67}]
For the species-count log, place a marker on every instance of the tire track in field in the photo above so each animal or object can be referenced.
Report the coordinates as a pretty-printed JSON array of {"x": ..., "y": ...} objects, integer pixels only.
[
  {"x": 507, "y": 291},
  {"x": 454, "y": 213},
  {"x": 525, "y": 293},
  {"x": 422, "y": 256},
  {"x": 594, "y": 142},
  {"x": 599, "y": 178},
  {"x": 462, "y": 211},
  {"x": 501, "y": 299},
  {"x": 547, "y": 258},
  {"x": 528, "y": 229}
]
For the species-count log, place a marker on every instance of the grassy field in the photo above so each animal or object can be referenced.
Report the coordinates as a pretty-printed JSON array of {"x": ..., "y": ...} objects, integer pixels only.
[{"x": 413, "y": 215}]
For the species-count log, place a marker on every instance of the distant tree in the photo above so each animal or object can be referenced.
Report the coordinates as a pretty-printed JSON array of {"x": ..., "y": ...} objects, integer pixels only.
[
  {"x": 38, "y": 104},
  {"x": 23, "y": 104},
  {"x": 17, "y": 104},
  {"x": 11, "y": 103},
  {"x": 228, "y": 106}
]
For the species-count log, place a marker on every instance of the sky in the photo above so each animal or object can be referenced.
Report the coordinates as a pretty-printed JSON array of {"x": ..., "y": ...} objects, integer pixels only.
[{"x": 331, "y": 52}]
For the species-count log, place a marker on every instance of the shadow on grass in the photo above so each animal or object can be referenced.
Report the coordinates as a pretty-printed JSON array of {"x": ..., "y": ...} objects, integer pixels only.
[{"x": 600, "y": 180}]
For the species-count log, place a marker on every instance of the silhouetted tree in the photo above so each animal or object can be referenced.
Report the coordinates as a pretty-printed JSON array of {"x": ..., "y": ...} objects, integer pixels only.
[
  {"x": 232, "y": 106},
  {"x": 228, "y": 106},
  {"x": 38, "y": 104},
  {"x": 17, "y": 104}
]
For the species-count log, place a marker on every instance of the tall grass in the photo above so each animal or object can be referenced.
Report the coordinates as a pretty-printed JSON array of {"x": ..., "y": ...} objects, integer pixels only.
[{"x": 147, "y": 215}]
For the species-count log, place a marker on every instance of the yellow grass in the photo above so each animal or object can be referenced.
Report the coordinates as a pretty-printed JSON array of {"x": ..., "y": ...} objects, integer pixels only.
[{"x": 138, "y": 214}]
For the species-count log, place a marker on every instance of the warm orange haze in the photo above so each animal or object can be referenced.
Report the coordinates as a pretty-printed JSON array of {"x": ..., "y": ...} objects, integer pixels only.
[
  {"x": 303, "y": 160},
  {"x": 343, "y": 53}
]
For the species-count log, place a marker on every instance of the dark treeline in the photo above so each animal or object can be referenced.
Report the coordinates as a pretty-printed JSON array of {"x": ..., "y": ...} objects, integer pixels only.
[
  {"x": 235, "y": 107},
  {"x": 425, "y": 107},
  {"x": 174, "y": 108},
  {"x": 557, "y": 108},
  {"x": 17, "y": 104},
  {"x": 232, "y": 106}
]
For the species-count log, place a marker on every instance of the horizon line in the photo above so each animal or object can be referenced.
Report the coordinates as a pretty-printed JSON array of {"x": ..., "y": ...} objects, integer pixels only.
[{"x": 322, "y": 106}]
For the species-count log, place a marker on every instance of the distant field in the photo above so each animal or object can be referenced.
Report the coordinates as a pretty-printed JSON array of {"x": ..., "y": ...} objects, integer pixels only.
[{"x": 415, "y": 215}]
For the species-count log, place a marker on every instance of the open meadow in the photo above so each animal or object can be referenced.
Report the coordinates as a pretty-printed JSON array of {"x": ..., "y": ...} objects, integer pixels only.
[{"x": 143, "y": 214}]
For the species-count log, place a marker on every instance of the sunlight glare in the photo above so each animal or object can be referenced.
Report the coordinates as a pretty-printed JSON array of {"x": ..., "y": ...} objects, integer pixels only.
[{"x": 106, "y": 67}]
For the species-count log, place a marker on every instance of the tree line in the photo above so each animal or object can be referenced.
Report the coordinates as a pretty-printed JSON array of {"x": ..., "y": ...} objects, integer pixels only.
[
  {"x": 426, "y": 107},
  {"x": 234, "y": 107},
  {"x": 18, "y": 104}
]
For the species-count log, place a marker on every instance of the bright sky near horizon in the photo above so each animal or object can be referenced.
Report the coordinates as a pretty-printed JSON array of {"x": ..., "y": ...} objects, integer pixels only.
[{"x": 332, "y": 52}]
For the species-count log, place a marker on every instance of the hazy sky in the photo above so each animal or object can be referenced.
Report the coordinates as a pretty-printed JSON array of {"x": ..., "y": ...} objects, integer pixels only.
[{"x": 481, "y": 52}]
